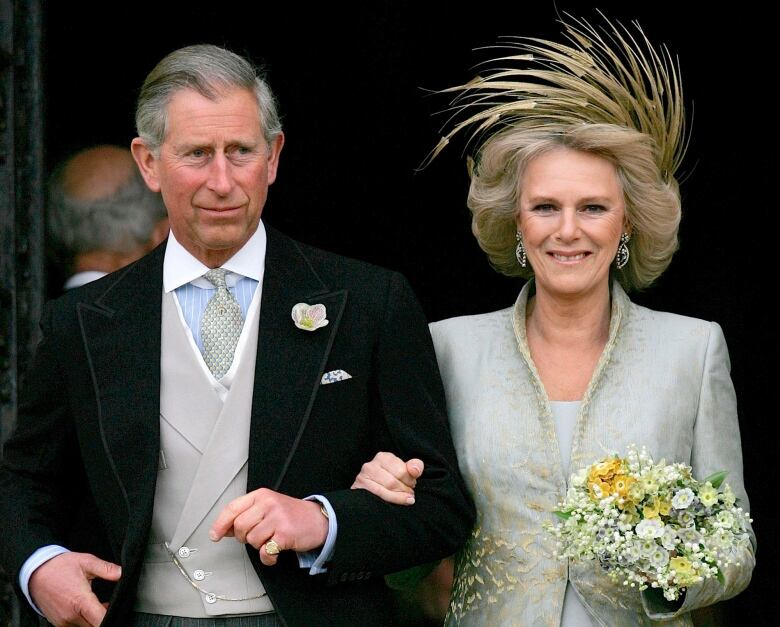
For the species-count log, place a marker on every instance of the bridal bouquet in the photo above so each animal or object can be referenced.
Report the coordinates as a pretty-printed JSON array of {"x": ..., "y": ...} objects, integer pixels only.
[{"x": 650, "y": 525}]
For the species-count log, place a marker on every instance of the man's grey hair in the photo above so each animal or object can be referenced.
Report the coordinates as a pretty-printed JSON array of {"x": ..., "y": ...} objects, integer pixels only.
[
  {"x": 119, "y": 223},
  {"x": 209, "y": 70}
]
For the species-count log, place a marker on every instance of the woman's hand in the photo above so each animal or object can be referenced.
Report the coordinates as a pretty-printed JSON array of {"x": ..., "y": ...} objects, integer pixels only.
[{"x": 390, "y": 478}]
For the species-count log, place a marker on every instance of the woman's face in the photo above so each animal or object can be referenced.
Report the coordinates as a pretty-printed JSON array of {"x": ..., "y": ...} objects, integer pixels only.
[{"x": 571, "y": 215}]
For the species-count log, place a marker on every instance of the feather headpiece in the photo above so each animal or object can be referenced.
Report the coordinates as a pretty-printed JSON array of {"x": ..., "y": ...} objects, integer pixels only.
[{"x": 603, "y": 75}]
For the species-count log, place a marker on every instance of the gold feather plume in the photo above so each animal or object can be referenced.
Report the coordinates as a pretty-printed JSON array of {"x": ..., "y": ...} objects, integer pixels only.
[{"x": 609, "y": 74}]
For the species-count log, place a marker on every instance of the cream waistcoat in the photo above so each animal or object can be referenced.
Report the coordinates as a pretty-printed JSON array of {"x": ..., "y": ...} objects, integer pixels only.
[{"x": 203, "y": 466}]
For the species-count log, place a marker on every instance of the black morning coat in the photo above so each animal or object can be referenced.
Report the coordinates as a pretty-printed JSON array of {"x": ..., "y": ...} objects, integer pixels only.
[{"x": 80, "y": 470}]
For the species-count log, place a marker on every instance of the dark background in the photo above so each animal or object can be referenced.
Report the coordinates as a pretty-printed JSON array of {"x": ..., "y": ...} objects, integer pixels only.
[{"x": 353, "y": 84}]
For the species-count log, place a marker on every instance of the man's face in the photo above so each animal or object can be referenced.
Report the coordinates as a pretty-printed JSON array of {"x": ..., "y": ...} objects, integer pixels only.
[{"x": 213, "y": 170}]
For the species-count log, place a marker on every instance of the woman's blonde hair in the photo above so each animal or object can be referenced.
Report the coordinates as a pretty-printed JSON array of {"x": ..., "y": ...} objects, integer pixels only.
[
  {"x": 607, "y": 92},
  {"x": 652, "y": 204}
]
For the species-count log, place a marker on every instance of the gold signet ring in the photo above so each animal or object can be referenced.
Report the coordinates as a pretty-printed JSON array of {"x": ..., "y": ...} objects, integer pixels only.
[{"x": 272, "y": 548}]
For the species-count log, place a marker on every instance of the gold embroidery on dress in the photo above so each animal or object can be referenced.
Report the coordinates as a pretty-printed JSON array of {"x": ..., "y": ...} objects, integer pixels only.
[{"x": 487, "y": 568}]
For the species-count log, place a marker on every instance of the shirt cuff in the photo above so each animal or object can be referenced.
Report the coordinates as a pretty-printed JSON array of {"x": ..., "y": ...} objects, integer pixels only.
[
  {"x": 317, "y": 559},
  {"x": 40, "y": 557}
]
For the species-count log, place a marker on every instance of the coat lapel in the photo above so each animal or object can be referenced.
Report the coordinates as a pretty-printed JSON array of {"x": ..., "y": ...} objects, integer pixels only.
[
  {"x": 121, "y": 334},
  {"x": 290, "y": 361}
]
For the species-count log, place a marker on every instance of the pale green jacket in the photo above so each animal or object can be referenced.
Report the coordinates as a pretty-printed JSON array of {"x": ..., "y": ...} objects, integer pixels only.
[{"x": 662, "y": 381}]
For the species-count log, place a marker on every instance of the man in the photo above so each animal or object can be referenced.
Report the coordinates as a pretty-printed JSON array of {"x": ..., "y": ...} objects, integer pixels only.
[
  {"x": 205, "y": 390},
  {"x": 101, "y": 216}
]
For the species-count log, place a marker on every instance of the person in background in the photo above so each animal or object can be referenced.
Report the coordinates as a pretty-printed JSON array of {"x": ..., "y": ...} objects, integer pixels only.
[
  {"x": 573, "y": 188},
  {"x": 100, "y": 215}
]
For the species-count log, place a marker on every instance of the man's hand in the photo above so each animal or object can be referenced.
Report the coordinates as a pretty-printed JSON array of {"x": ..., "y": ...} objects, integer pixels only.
[
  {"x": 390, "y": 478},
  {"x": 263, "y": 514},
  {"x": 62, "y": 590}
]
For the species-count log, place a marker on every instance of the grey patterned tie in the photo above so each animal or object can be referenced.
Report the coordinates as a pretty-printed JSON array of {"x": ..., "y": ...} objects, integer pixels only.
[{"x": 221, "y": 325}]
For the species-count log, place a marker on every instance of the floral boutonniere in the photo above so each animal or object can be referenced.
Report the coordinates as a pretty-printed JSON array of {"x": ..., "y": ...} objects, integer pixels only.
[{"x": 309, "y": 317}]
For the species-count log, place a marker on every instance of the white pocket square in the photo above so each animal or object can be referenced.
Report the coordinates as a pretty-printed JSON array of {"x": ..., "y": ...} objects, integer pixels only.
[{"x": 334, "y": 376}]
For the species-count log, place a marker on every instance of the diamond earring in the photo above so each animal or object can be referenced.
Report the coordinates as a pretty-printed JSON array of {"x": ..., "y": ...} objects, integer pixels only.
[
  {"x": 622, "y": 252},
  {"x": 522, "y": 259}
]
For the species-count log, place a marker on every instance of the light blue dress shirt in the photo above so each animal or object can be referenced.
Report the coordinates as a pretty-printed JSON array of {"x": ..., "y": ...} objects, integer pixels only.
[{"x": 193, "y": 300}]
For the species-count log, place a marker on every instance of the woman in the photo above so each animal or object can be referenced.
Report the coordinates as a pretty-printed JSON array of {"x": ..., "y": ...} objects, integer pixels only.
[{"x": 574, "y": 189}]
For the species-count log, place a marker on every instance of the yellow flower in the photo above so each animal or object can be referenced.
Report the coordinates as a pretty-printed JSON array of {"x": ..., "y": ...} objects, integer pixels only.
[
  {"x": 636, "y": 493},
  {"x": 664, "y": 507},
  {"x": 630, "y": 515},
  {"x": 622, "y": 485},
  {"x": 608, "y": 467},
  {"x": 599, "y": 489},
  {"x": 681, "y": 565},
  {"x": 650, "y": 485},
  {"x": 651, "y": 509},
  {"x": 684, "y": 570},
  {"x": 601, "y": 476},
  {"x": 708, "y": 495}
]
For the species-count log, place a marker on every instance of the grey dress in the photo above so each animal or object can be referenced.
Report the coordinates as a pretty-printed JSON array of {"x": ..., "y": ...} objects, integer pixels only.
[{"x": 662, "y": 381}]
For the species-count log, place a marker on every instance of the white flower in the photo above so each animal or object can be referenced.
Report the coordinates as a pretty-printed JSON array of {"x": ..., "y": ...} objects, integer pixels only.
[
  {"x": 659, "y": 557},
  {"x": 685, "y": 518},
  {"x": 632, "y": 553},
  {"x": 708, "y": 495},
  {"x": 579, "y": 478},
  {"x": 669, "y": 539},
  {"x": 650, "y": 528},
  {"x": 725, "y": 518},
  {"x": 721, "y": 538},
  {"x": 682, "y": 498},
  {"x": 309, "y": 317},
  {"x": 728, "y": 495},
  {"x": 647, "y": 546},
  {"x": 689, "y": 535}
]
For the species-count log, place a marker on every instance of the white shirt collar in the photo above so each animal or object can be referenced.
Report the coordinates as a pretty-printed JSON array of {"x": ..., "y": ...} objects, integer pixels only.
[
  {"x": 180, "y": 267},
  {"x": 82, "y": 278}
]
